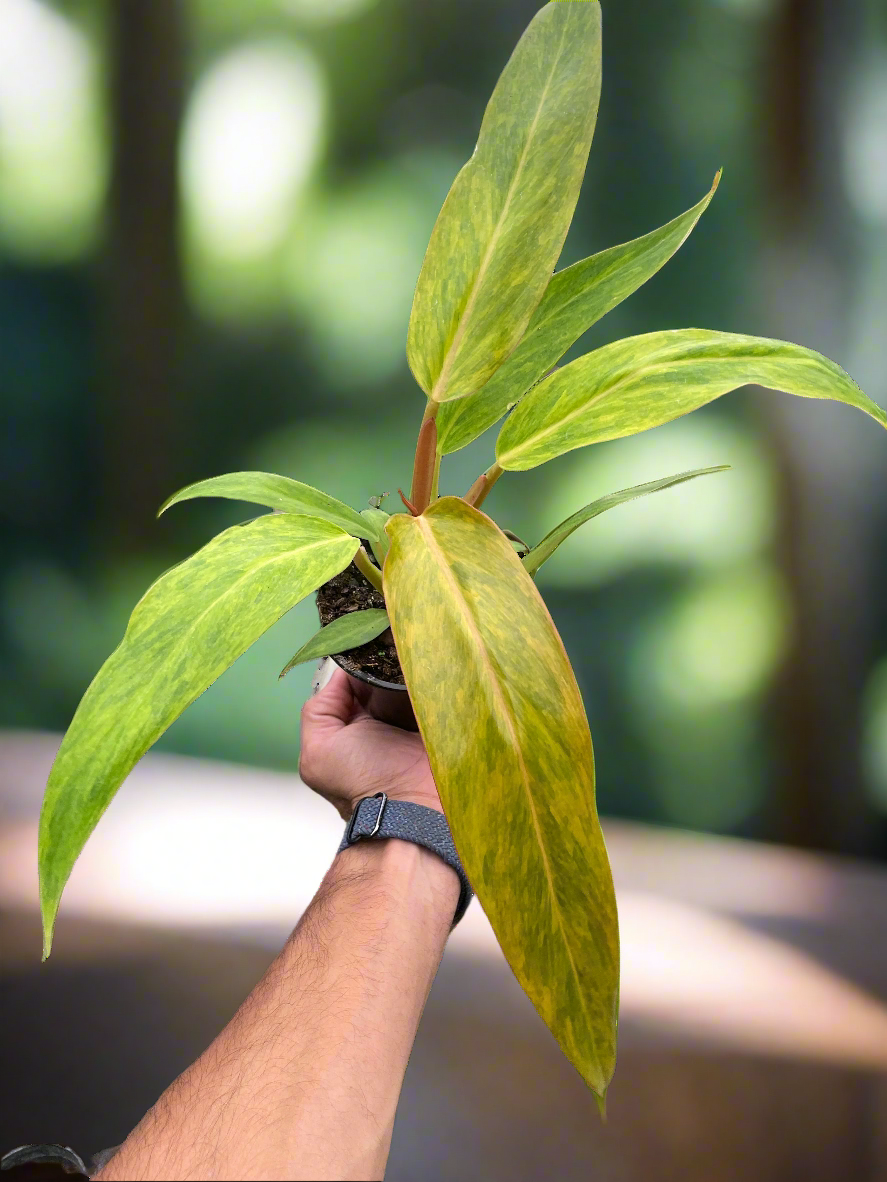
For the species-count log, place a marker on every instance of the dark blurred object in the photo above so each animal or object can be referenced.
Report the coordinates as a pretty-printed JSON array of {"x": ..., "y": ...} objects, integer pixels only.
[
  {"x": 826, "y": 534},
  {"x": 144, "y": 304}
]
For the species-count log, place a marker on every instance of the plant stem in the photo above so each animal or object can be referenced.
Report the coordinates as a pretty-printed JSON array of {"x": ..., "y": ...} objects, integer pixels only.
[
  {"x": 476, "y": 489},
  {"x": 425, "y": 464},
  {"x": 479, "y": 491},
  {"x": 367, "y": 568},
  {"x": 435, "y": 478}
]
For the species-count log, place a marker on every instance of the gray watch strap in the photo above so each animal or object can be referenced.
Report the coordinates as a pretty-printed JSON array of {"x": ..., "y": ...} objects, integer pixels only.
[{"x": 380, "y": 817}]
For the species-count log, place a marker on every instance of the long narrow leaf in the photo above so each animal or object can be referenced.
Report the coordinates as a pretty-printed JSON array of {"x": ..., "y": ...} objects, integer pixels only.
[
  {"x": 193, "y": 623},
  {"x": 278, "y": 492},
  {"x": 502, "y": 227},
  {"x": 575, "y": 299},
  {"x": 341, "y": 635},
  {"x": 541, "y": 553},
  {"x": 502, "y": 718},
  {"x": 642, "y": 382}
]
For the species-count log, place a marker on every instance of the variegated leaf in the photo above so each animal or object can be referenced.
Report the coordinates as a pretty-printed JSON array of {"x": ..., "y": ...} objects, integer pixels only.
[
  {"x": 502, "y": 227},
  {"x": 502, "y": 718},
  {"x": 193, "y": 623},
  {"x": 642, "y": 382}
]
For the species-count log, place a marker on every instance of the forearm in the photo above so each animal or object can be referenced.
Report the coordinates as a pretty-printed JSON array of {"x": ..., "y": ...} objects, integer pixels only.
[{"x": 303, "y": 1083}]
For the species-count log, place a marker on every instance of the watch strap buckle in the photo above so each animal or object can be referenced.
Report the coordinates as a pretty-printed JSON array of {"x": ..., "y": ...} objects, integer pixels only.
[{"x": 350, "y": 836}]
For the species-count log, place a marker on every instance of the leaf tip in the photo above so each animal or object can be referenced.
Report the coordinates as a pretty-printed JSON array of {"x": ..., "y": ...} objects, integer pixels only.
[
  {"x": 48, "y": 930},
  {"x": 166, "y": 504},
  {"x": 291, "y": 664},
  {"x": 600, "y": 1098},
  {"x": 49, "y": 906},
  {"x": 717, "y": 180}
]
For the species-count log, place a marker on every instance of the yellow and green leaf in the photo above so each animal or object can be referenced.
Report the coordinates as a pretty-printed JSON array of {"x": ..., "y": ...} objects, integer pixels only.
[
  {"x": 501, "y": 229},
  {"x": 575, "y": 299},
  {"x": 341, "y": 635},
  {"x": 282, "y": 494},
  {"x": 502, "y": 718},
  {"x": 644, "y": 381},
  {"x": 193, "y": 623},
  {"x": 541, "y": 553}
]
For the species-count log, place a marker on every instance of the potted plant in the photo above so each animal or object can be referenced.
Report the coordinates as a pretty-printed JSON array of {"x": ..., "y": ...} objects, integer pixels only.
[{"x": 437, "y": 596}]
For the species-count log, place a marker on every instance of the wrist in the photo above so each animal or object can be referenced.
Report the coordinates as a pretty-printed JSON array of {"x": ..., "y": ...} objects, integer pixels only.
[
  {"x": 428, "y": 798},
  {"x": 379, "y": 817},
  {"x": 405, "y": 873}
]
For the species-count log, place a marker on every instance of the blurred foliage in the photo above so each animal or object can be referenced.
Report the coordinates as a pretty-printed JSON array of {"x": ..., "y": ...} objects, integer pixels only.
[{"x": 319, "y": 138}]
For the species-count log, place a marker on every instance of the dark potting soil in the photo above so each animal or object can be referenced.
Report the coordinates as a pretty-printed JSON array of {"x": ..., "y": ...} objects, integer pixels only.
[{"x": 350, "y": 592}]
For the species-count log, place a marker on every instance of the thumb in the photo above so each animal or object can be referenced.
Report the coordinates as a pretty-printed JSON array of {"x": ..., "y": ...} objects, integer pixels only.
[{"x": 332, "y": 707}]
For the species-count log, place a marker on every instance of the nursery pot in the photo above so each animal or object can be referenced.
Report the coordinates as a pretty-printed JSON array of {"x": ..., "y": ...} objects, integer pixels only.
[{"x": 386, "y": 700}]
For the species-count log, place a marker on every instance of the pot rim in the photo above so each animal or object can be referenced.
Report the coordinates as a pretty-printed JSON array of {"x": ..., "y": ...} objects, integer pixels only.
[{"x": 370, "y": 680}]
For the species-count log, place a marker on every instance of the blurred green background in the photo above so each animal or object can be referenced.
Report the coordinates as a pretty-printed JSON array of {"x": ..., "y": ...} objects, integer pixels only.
[{"x": 212, "y": 216}]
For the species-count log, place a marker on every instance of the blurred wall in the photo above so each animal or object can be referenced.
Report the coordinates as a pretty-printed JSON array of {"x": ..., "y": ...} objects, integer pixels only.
[{"x": 212, "y": 215}]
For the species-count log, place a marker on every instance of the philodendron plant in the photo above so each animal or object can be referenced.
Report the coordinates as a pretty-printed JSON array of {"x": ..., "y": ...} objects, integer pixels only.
[{"x": 491, "y": 686}]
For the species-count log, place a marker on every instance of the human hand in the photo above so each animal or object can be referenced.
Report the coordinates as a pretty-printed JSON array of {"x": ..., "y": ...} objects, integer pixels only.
[{"x": 346, "y": 754}]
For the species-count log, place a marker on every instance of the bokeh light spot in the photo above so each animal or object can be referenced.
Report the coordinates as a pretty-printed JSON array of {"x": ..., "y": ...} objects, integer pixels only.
[
  {"x": 53, "y": 165},
  {"x": 719, "y": 642},
  {"x": 706, "y": 523},
  {"x": 865, "y": 160},
  {"x": 251, "y": 136},
  {"x": 694, "y": 678},
  {"x": 353, "y": 269}
]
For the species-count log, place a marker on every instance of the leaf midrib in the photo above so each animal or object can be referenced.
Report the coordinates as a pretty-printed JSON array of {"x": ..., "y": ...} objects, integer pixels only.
[
  {"x": 462, "y": 326},
  {"x": 505, "y": 713}
]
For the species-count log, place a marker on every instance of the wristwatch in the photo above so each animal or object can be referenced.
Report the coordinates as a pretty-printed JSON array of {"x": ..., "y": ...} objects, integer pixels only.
[{"x": 378, "y": 817}]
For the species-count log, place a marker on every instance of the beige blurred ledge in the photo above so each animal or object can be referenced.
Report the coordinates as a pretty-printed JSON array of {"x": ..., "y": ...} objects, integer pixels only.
[
  {"x": 713, "y": 930},
  {"x": 754, "y": 997}
]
